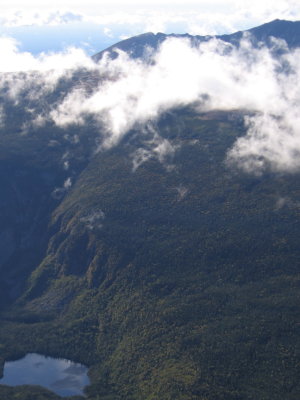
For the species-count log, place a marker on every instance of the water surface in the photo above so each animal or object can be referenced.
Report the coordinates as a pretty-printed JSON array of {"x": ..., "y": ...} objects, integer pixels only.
[{"x": 63, "y": 377}]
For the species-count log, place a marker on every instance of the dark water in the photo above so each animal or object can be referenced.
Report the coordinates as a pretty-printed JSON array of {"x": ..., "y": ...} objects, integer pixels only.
[{"x": 63, "y": 377}]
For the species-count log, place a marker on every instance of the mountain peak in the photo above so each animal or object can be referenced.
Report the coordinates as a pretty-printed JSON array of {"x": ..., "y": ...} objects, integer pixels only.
[{"x": 281, "y": 29}]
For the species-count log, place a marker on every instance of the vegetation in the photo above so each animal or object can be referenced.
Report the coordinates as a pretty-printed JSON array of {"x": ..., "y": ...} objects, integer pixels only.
[{"x": 178, "y": 280}]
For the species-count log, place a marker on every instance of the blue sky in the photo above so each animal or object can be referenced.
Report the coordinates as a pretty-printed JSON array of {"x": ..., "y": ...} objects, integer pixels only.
[{"x": 94, "y": 25}]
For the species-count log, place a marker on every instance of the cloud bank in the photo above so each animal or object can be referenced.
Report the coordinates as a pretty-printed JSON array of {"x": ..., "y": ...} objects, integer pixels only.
[
  {"x": 212, "y": 76},
  {"x": 196, "y": 16},
  {"x": 13, "y": 60}
]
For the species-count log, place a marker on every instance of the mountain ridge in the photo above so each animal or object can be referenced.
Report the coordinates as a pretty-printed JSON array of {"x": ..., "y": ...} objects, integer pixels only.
[
  {"x": 136, "y": 45},
  {"x": 175, "y": 278}
]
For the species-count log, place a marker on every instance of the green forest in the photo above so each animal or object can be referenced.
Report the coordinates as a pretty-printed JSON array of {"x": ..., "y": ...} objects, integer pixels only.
[{"x": 177, "y": 280}]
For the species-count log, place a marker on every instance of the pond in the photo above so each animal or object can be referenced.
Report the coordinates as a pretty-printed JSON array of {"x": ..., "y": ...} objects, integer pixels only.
[{"x": 63, "y": 377}]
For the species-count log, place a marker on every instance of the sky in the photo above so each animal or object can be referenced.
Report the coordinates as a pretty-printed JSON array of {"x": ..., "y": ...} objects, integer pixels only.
[{"x": 41, "y": 26}]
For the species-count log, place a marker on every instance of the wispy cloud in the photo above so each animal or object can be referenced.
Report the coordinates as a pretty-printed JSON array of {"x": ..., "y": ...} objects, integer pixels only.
[
  {"x": 14, "y": 60},
  {"x": 153, "y": 147},
  {"x": 195, "y": 17},
  {"x": 286, "y": 202},
  {"x": 214, "y": 76},
  {"x": 18, "y": 18},
  {"x": 93, "y": 219},
  {"x": 2, "y": 117},
  {"x": 129, "y": 92}
]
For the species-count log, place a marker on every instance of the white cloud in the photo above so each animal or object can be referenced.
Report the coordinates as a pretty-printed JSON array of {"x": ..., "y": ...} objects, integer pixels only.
[
  {"x": 108, "y": 32},
  {"x": 139, "y": 157},
  {"x": 272, "y": 141},
  {"x": 213, "y": 76},
  {"x": 182, "y": 192},
  {"x": 13, "y": 60},
  {"x": 94, "y": 219},
  {"x": 180, "y": 75},
  {"x": 67, "y": 183},
  {"x": 195, "y": 16},
  {"x": 2, "y": 117},
  {"x": 154, "y": 148},
  {"x": 286, "y": 202},
  {"x": 17, "y": 18},
  {"x": 23, "y": 75}
]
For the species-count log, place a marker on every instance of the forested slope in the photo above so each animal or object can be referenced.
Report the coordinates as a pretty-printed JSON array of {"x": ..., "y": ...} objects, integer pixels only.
[{"x": 176, "y": 279}]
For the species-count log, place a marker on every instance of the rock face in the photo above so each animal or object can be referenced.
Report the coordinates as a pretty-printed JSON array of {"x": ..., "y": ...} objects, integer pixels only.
[{"x": 174, "y": 278}]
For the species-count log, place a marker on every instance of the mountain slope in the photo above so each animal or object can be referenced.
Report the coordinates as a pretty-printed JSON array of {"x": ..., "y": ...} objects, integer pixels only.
[
  {"x": 166, "y": 270},
  {"x": 137, "y": 46},
  {"x": 171, "y": 283}
]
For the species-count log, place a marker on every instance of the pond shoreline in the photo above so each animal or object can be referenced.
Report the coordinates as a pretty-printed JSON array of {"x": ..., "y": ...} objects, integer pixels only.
[{"x": 61, "y": 376}]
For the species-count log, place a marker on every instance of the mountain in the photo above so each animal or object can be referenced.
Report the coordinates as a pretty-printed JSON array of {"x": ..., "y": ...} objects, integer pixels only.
[
  {"x": 280, "y": 29},
  {"x": 170, "y": 274}
]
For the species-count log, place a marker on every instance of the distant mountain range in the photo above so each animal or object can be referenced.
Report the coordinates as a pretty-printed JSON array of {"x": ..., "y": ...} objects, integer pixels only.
[
  {"x": 280, "y": 29},
  {"x": 171, "y": 275}
]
